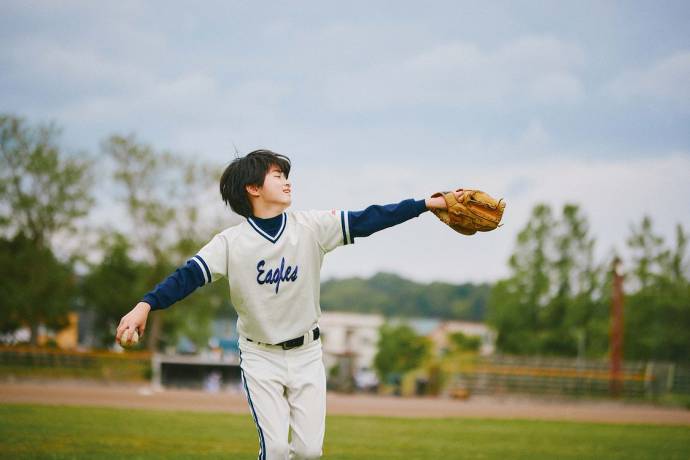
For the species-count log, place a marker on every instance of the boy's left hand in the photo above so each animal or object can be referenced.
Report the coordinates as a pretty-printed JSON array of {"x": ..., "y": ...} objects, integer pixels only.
[{"x": 439, "y": 202}]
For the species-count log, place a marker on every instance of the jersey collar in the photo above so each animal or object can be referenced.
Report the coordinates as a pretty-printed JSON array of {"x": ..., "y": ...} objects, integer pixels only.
[{"x": 270, "y": 238}]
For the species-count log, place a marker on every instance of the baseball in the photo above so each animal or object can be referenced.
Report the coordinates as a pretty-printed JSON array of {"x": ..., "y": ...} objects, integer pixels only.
[{"x": 129, "y": 340}]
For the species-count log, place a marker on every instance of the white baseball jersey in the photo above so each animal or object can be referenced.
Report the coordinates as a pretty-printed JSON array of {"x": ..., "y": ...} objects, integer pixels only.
[{"x": 275, "y": 281}]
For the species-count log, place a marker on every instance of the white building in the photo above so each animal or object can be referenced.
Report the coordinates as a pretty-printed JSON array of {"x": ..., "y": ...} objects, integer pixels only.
[
  {"x": 357, "y": 335},
  {"x": 350, "y": 334}
]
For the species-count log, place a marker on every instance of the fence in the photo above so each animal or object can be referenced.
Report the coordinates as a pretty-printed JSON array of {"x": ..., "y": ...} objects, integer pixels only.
[
  {"x": 39, "y": 362},
  {"x": 562, "y": 376},
  {"x": 483, "y": 375}
]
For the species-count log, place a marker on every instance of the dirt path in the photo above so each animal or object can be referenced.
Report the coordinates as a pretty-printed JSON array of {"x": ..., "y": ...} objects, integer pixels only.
[{"x": 145, "y": 397}]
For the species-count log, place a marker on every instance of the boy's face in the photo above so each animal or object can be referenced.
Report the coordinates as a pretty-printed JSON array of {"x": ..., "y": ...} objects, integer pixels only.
[{"x": 276, "y": 188}]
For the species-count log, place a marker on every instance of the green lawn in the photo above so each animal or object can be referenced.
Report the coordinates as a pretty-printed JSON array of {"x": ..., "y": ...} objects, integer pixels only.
[{"x": 57, "y": 432}]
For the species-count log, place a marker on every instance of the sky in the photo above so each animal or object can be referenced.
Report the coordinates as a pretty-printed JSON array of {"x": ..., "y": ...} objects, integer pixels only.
[{"x": 374, "y": 102}]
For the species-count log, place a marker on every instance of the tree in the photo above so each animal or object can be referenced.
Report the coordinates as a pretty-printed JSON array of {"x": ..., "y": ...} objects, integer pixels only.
[
  {"x": 399, "y": 350},
  {"x": 550, "y": 304},
  {"x": 515, "y": 303},
  {"x": 674, "y": 265},
  {"x": 648, "y": 252},
  {"x": 43, "y": 192},
  {"x": 576, "y": 280},
  {"x": 114, "y": 281},
  {"x": 36, "y": 287},
  {"x": 465, "y": 342},
  {"x": 161, "y": 195},
  {"x": 657, "y": 314}
]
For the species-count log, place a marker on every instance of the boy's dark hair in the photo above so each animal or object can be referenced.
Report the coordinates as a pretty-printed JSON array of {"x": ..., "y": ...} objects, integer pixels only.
[{"x": 250, "y": 169}]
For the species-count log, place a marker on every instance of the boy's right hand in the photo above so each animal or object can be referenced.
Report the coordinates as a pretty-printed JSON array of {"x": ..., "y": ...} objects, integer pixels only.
[{"x": 134, "y": 320}]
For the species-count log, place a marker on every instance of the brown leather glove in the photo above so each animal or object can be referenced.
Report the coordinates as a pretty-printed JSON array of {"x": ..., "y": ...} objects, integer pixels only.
[{"x": 474, "y": 211}]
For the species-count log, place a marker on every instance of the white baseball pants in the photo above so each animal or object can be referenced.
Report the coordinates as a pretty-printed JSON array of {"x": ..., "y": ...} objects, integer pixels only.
[{"x": 286, "y": 390}]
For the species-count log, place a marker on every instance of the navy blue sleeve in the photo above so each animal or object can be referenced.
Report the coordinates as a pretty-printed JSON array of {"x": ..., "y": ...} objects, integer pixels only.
[
  {"x": 376, "y": 217},
  {"x": 176, "y": 287}
]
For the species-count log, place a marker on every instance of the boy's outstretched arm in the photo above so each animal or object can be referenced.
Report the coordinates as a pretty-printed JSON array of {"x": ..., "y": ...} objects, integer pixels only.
[
  {"x": 177, "y": 286},
  {"x": 208, "y": 265},
  {"x": 377, "y": 217}
]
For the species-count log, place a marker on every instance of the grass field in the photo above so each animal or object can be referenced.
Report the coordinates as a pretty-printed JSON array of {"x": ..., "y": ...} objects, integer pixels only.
[{"x": 59, "y": 432}]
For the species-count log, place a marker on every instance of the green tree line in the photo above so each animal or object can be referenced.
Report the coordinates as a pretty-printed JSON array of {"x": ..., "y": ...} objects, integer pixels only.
[
  {"x": 391, "y": 295},
  {"x": 557, "y": 298}
]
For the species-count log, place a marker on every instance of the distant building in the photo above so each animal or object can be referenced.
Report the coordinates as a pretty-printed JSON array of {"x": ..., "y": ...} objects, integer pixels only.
[
  {"x": 66, "y": 338},
  {"x": 357, "y": 335},
  {"x": 421, "y": 326},
  {"x": 439, "y": 332},
  {"x": 440, "y": 336},
  {"x": 350, "y": 334}
]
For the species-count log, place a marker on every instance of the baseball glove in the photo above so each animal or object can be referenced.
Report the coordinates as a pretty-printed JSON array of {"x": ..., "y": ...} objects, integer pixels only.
[{"x": 474, "y": 211}]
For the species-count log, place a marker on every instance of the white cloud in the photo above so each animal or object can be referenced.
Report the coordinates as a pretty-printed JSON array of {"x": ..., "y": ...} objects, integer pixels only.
[
  {"x": 556, "y": 87},
  {"x": 530, "y": 54},
  {"x": 72, "y": 67},
  {"x": 530, "y": 69},
  {"x": 667, "y": 80},
  {"x": 534, "y": 137}
]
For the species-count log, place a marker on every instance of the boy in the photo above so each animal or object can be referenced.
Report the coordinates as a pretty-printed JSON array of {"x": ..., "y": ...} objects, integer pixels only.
[{"x": 272, "y": 262}]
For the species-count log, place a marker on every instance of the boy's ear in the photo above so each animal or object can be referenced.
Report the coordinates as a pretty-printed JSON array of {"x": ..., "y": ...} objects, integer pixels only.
[{"x": 253, "y": 190}]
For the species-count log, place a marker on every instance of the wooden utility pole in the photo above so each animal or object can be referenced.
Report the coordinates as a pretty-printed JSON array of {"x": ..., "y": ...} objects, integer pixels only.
[{"x": 616, "y": 330}]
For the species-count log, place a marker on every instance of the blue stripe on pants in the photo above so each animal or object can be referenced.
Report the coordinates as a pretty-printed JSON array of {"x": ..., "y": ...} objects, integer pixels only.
[{"x": 262, "y": 444}]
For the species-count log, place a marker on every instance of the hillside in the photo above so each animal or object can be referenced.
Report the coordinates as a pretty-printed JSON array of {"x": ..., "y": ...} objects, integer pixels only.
[{"x": 392, "y": 295}]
